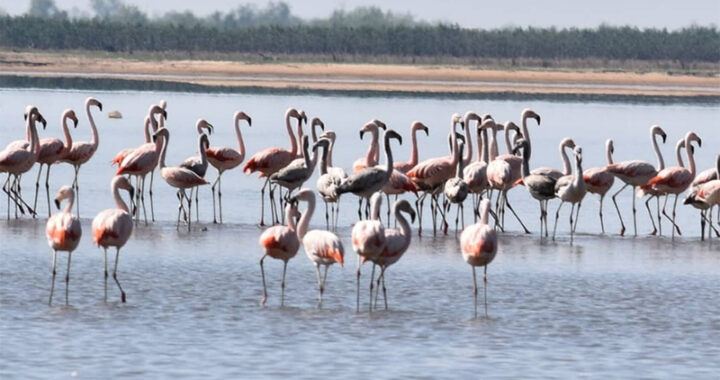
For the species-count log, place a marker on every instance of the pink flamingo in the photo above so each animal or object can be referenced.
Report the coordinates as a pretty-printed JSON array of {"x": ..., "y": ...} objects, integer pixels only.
[
  {"x": 142, "y": 160},
  {"x": 334, "y": 170},
  {"x": 636, "y": 173},
  {"x": 226, "y": 158},
  {"x": 18, "y": 158},
  {"x": 270, "y": 160},
  {"x": 475, "y": 174},
  {"x": 479, "y": 244},
  {"x": 502, "y": 175},
  {"x": 63, "y": 233},
  {"x": 429, "y": 175},
  {"x": 281, "y": 243},
  {"x": 540, "y": 186},
  {"x": 51, "y": 151},
  {"x": 399, "y": 183},
  {"x": 154, "y": 120},
  {"x": 82, "y": 151},
  {"x": 599, "y": 181},
  {"x": 199, "y": 162},
  {"x": 328, "y": 182},
  {"x": 372, "y": 157},
  {"x": 552, "y": 172},
  {"x": 704, "y": 196},
  {"x": 322, "y": 247},
  {"x": 397, "y": 243},
  {"x": 368, "y": 241},
  {"x": 572, "y": 189},
  {"x": 456, "y": 191},
  {"x": 406, "y": 166},
  {"x": 178, "y": 177},
  {"x": 653, "y": 193},
  {"x": 675, "y": 179},
  {"x": 112, "y": 227}
]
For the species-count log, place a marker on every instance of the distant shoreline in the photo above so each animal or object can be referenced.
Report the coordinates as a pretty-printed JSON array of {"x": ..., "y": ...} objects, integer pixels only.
[{"x": 55, "y": 70}]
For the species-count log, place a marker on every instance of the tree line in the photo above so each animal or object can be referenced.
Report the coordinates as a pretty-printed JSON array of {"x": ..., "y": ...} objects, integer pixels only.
[{"x": 395, "y": 36}]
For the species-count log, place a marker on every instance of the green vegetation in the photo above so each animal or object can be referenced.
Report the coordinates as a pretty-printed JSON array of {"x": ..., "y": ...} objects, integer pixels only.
[{"x": 367, "y": 32}]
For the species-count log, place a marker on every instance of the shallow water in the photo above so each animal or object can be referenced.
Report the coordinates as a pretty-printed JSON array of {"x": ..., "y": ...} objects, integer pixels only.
[{"x": 625, "y": 307}]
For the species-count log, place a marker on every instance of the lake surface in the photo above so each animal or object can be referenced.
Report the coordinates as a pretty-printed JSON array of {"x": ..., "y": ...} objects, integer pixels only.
[{"x": 644, "y": 307}]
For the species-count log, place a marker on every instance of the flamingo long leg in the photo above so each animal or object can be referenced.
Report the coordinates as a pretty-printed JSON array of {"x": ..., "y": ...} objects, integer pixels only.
[
  {"x": 622, "y": 224},
  {"x": 262, "y": 273},
  {"x": 282, "y": 284},
  {"x": 52, "y": 286},
  {"x": 117, "y": 258},
  {"x": 557, "y": 215},
  {"x": 67, "y": 280},
  {"x": 37, "y": 187}
]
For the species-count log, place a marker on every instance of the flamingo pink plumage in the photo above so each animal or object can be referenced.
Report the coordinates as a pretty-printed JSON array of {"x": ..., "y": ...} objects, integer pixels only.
[
  {"x": 372, "y": 158},
  {"x": 113, "y": 227},
  {"x": 63, "y": 232},
  {"x": 281, "y": 243},
  {"x": 599, "y": 181},
  {"x": 270, "y": 160},
  {"x": 479, "y": 244},
  {"x": 322, "y": 247},
  {"x": 406, "y": 166},
  {"x": 82, "y": 151},
  {"x": 368, "y": 241},
  {"x": 675, "y": 179},
  {"x": 226, "y": 158}
]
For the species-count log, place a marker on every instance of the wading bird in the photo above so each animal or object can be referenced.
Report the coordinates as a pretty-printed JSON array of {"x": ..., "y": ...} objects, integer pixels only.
[
  {"x": 479, "y": 245},
  {"x": 63, "y": 233},
  {"x": 281, "y": 243}
]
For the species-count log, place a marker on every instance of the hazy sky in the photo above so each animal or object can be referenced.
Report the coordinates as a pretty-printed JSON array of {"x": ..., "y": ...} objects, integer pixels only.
[{"x": 469, "y": 13}]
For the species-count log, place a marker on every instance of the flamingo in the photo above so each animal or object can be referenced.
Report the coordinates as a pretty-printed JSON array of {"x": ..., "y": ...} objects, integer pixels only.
[
  {"x": 397, "y": 243},
  {"x": 572, "y": 189},
  {"x": 702, "y": 178},
  {"x": 456, "y": 190},
  {"x": 82, "y": 151},
  {"x": 112, "y": 227},
  {"x": 322, "y": 247},
  {"x": 293, "y": 176},
  {"x": 281, "y": 243},
  {"x": 335, "y": 170},
  {"x": 154, "y": 120},
  {"x": 554, "y": 173},
  {"x": 430, "y": 174},
  {"x": 63, "y": 233},
  {"x": 18, "y": 158},
  {"x": 270, "y": 160},
  {"x": 373, "y": 154},
  {"x": 328, "y": 182},
  {"x": 52, "y": 150},
  {"x": 406, "y": 166},
  {"x": 653, "y": 193},
  {"x": 540, "y": 186},
  {"x": 705, "y": 196},
  {"x": 371, "y": 179},
  {"x": 636, "y": 173},
  {"x": 399, "y": 183},
  {"x": 504, "y": 171},
  {"x": 199, "y": 163},
  {"x": 599, "y": 181},
  {"x": 142, "y": 160},
  {"x": 226, "y": 158},
  {"x": 479, "y": 244},
  {"x": 368, "y": 241},
  {"x": 502, "y": 176},
  {"x": 179, "y": 177},
  {"x": 675, "y": 179},
  {"x": 475, "y": 174}
]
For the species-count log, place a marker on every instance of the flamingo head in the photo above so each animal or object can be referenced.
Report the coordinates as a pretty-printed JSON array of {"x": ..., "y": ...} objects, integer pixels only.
[
  {"x": 323, "y": 142},
  {"x": 520, "y": 146},
  {"x": 240, "y": 115},
  {"x": 93, "y": 102},
  {"x": 610, "y": 146},
  {"x": 70, "y": 114},
  {"x": 379, "y": 124},
  {"x": 528, "y": 113},
  {"x": 567, "y": 143},
  {"x": 329, "y": 134},
  {"x": 657, "y": 130},
  {"x": 203, "y": 124},
  {"x": 317, "y": 122},
  {"x": 419, "y": 125},
  {"x": 404, "y": 206},
  {"x": 690, "y": 137},
  {"x": 391, "y": 134},
  {"x": 578, "y": 154},
  {"x": 162, "y": 132},
  {"x": 65, "y": 192}
]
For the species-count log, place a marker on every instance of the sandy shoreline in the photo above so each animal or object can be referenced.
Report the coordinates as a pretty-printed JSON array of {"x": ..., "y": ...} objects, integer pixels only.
[{"x": 359, "y": 77}]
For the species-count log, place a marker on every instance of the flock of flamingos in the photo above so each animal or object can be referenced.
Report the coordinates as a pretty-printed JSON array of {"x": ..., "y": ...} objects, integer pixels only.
[{"x": 446, "y": 180}]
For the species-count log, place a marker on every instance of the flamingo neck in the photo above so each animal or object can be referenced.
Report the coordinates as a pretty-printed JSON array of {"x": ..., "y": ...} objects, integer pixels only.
[
  {"x": 578, "y": 180},
  {"x": 565, "y": 160},
  {"x": 34, "y": 141},
  {"x": 373, "y": 154},
  {"x": 460, "y": 164},
  {"x": 95, "y": 139},
  {"x": 70, "y": 202},
  {"x": 508, "y": 146},
  {"x": 413, "y": 148},
  {"x": 467, "y": 157},
  {"x": 330, "y": 153},
  {"x": 324, "y": 160},
  {"x": 146, "y": 129},
  {"x": 66, "y": 133},
  {"x": 293, "y": 142},
  {"x": 289, "y": 216},
  {"x": 118, "y": 199},
  {"x": 526, "y": 136},
  {"x": 493, "y": 144},
  {"x": 313, "y": 133},
  {"x": 525, "y": 163},
  {"x": 375, "y": 208},
  {"x": 388, "y": 157},
  {"x": 300, "y": 134},
  {"x": 404, "y": 225},
  {"x": 304, "y": 222},
  {"x": 484, "y": 139},
  {"x": 678, "y": 154},
  {"x": 608, "y": 155},
  {"x": 484, "y": 215},
  {"x": 241, "y": 143},
  {"x": 203, "y": 154},
  {"x": 691, "y": 159},
  {"x": 163, "y": 150},
  {"x": 661, "y": 162}
]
